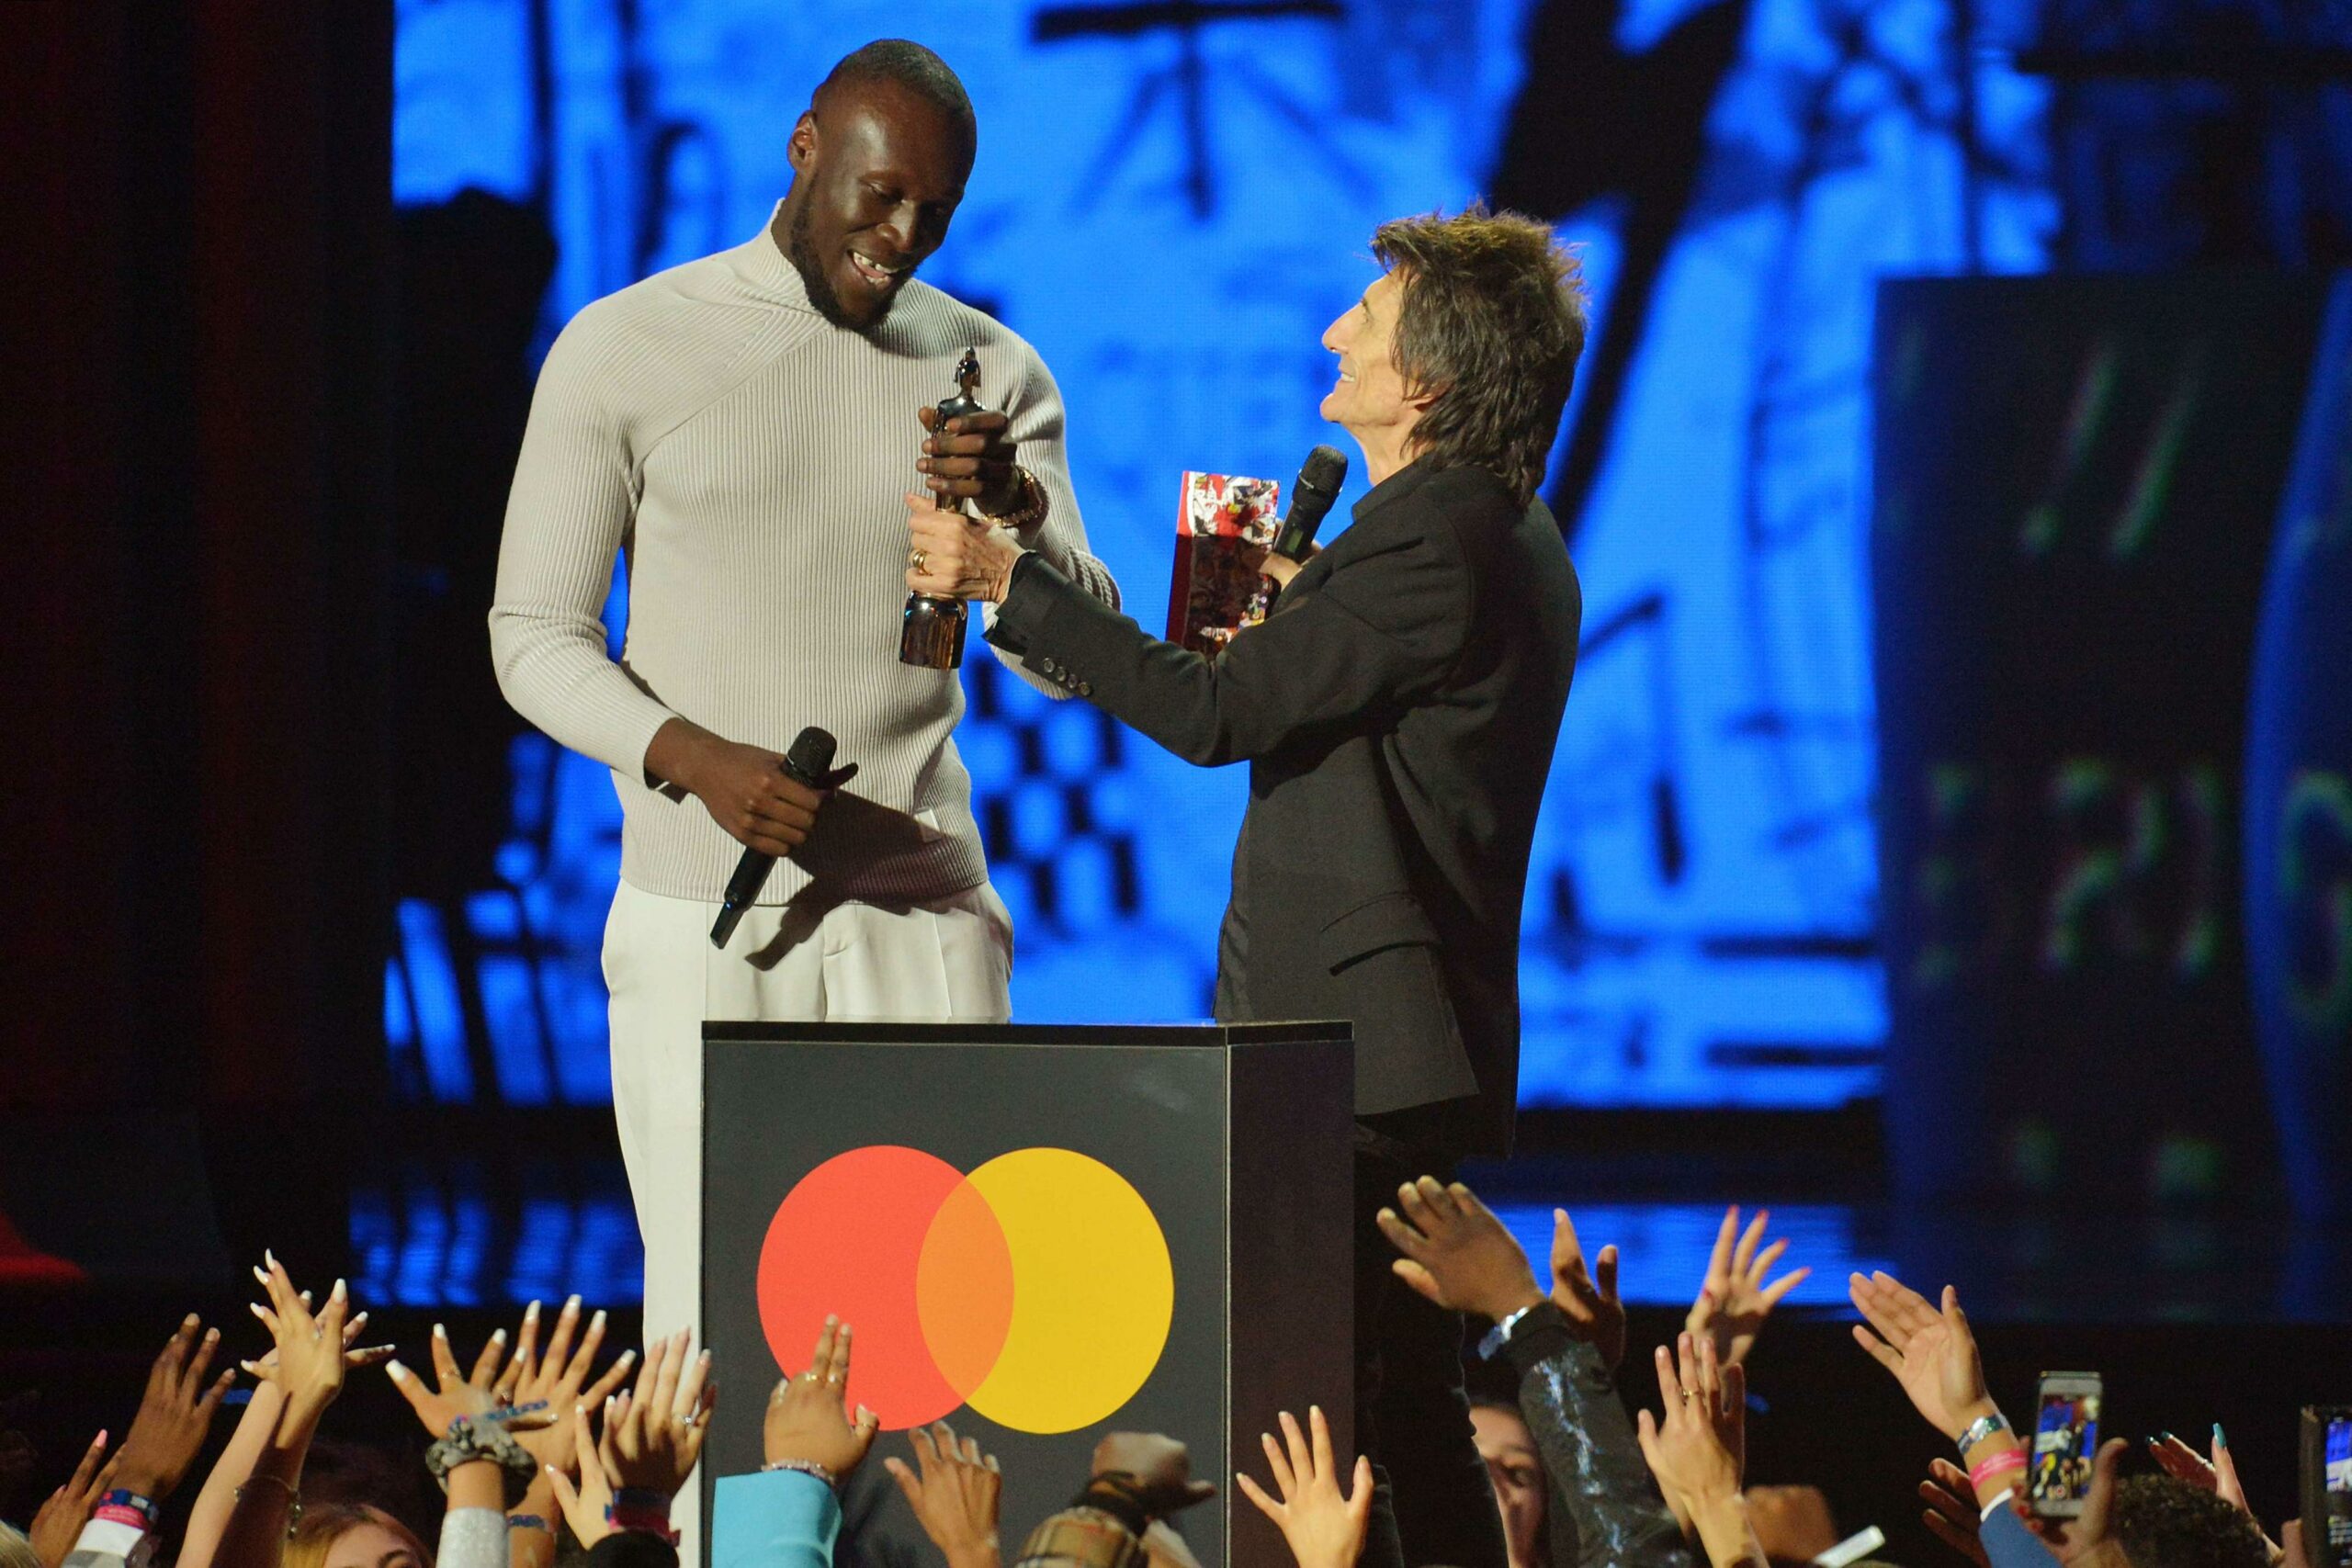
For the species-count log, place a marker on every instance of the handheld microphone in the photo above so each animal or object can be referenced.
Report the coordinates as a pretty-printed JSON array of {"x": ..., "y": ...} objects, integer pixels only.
[
  {"x": 1311, "y": 495},
  {"x": 810, "y": 762}
]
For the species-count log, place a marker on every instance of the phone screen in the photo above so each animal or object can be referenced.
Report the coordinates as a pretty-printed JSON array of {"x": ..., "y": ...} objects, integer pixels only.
[
  {"x": 2066, "y": 1437},
  {"x": 2340, "y": 1488}
]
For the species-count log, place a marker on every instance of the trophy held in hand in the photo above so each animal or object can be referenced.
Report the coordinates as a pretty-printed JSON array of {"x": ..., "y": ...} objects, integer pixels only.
[{"x": 932, "y": 635}]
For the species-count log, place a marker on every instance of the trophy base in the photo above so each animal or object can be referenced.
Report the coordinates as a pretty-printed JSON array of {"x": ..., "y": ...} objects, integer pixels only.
[{"x": 932, "y": 635}]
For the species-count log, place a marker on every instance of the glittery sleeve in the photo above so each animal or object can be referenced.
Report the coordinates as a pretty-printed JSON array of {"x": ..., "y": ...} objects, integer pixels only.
[{"x": 1605, "y": 1510}]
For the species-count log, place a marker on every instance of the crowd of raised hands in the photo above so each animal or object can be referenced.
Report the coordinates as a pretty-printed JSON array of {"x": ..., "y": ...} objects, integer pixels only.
[{"x": 540, "y": 1442}]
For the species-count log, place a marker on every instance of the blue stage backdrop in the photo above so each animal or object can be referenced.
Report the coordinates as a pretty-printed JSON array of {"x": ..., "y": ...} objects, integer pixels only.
[{"x": 1170, "y": 204}]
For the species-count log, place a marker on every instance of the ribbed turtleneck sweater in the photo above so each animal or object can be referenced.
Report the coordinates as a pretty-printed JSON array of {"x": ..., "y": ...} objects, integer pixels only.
[{"x": 747, "y": 459}]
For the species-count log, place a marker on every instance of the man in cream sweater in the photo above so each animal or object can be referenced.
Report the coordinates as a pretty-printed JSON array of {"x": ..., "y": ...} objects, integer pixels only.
[{"x": 743, "y": 429}]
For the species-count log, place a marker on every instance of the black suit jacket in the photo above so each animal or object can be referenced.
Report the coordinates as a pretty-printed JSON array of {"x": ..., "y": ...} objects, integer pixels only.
[{"x": 1398, "y": 712}]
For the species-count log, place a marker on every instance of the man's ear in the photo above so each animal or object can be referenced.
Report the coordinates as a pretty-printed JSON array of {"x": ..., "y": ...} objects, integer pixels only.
[{"x": 801, "y": 146}]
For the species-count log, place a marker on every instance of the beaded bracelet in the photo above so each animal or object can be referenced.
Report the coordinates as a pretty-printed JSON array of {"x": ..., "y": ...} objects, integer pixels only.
[{"x": 805, "y": 1467}]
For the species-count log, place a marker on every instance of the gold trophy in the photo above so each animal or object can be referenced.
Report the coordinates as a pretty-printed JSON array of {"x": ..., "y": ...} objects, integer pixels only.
[{"x": 931, "y": 635}]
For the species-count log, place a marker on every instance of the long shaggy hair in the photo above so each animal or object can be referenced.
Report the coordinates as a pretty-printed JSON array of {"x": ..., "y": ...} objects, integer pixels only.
[{"x": 1492, "y": 322}]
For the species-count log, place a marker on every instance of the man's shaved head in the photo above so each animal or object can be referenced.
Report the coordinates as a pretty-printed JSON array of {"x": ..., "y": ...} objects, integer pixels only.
[{"x": 905, "y": 64}]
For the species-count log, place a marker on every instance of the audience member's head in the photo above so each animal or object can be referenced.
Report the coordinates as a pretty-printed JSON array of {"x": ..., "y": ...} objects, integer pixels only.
[
  {"x": 1517, "y": 1470},
  {"x": 17, "y": 1548},
  {"x": 353, "y": 1535},
  {"x": 2163, "y": 1523}
]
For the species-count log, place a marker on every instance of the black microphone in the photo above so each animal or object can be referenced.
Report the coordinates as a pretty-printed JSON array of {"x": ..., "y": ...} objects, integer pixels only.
[
  {"x": 810, "y": 762},
  {"x": 1311, "y": 495}
]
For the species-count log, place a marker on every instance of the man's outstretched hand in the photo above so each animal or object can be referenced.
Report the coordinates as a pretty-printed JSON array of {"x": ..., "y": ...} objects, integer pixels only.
[{"x": 1455, "y": 1252}]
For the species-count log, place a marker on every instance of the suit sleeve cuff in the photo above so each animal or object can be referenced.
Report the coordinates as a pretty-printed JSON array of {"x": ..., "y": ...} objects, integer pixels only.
[{"x": 1027, "y": 600}]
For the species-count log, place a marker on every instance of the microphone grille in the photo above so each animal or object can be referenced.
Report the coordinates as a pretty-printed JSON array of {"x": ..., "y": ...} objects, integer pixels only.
[
  {"x": 812, "y": 753},
  {"x": 1326, "y": 469}
]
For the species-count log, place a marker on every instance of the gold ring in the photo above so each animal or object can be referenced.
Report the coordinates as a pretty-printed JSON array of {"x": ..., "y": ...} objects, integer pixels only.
[{"x": 920, "y": 561}]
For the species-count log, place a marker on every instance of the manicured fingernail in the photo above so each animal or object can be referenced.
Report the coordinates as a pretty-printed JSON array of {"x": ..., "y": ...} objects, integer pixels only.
[
  {"x": 625, "y": 1358},
  {"x": 2161, "y": 1438},
  {"x": 572, "y": 1303},
  {"x": 359, "y": 1320},
  {"x": 268, "y": 1257},
  {"x": 261, "y": 1275},
  {"x": 597, "y": 1321},
  {"x": 340, "y": 1292},
  {"x": 100, "y": 1441},
  {"x": 439, "y": 1332},
  {"x": 211, "y": 1335},
  {"x": 831, "y": 1320},
  {"x": 531, "y": 1312},
  {"x": 254, "y": 1308},
  {"x": 395, "y": 1370},
  {"x": 498, "y": 1336},
  {"x": 2219, "y": 1441}
]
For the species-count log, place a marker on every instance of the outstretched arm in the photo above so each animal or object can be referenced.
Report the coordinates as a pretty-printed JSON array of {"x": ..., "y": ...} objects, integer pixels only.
[{"x": 1383, "y": 628}]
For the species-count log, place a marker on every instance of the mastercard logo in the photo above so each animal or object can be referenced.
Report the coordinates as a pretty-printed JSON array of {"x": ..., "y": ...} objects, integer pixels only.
[{"x": 1036, "y": 1290}]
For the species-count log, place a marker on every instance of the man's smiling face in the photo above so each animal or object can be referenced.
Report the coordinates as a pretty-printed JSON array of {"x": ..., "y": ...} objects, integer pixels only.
[
  {"x": 1369, "y": 397},
  {"x": 877, "y": 174}
]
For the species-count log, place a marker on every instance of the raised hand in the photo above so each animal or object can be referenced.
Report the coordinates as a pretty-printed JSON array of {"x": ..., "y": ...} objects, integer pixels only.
[
  {"x": 653, "y": 1434},
  {"x": 1697, "y": 1449},
  {"x": 1708, "y": 1391},
  {"x": 959, "y": 1496},
  {"x": 806, "y": 1418},
  {"x": 309, "y": 1363},
  {"x": 174, "y": 1415},
  {"x": 58, "y": 1522},
  {"x": 1931, "y": 1352},
  {"x": 1734, "y": 1299},
  {"x": 2218, "y": 1476},
  {"x": 587, "y": 1505},
  {"x": 1588, "y": 1301},
  {"x": 558, "y": 1381},
  {"x": 1456, "y": 1253},
  {"x": 1159, "y": 1466},
  {"x": 455, "y": 1394},
  {"x": 1952, "y": 1515},
  {"x": 1324, "y": 1526}
]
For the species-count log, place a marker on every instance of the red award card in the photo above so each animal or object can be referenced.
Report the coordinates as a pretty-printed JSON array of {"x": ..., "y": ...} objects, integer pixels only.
[{"x": 1223, "y": 526}]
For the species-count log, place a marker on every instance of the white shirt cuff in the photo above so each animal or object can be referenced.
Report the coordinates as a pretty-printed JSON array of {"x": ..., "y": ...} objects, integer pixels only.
[{"x": 109, "y": 1538}]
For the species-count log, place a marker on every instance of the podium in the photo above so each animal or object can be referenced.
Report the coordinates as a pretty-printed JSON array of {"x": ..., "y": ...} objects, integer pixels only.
[{"x": 1038, "y": 1233}]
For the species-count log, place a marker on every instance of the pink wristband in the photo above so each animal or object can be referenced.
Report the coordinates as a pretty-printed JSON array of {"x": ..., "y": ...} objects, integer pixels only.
[
  {"x": 2000, "y": 1463},
  {"x": 122, "y": 1514}
]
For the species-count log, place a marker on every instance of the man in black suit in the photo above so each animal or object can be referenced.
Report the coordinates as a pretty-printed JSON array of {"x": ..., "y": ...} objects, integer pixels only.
[{"x": 1397, "y": 711}]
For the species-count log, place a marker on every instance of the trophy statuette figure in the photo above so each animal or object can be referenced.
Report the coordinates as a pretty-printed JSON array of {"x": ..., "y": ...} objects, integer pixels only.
[{"x": 932, "y": 633}]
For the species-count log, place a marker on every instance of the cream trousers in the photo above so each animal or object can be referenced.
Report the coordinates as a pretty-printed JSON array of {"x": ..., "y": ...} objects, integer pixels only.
[{"x": 951, "y": 958}]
